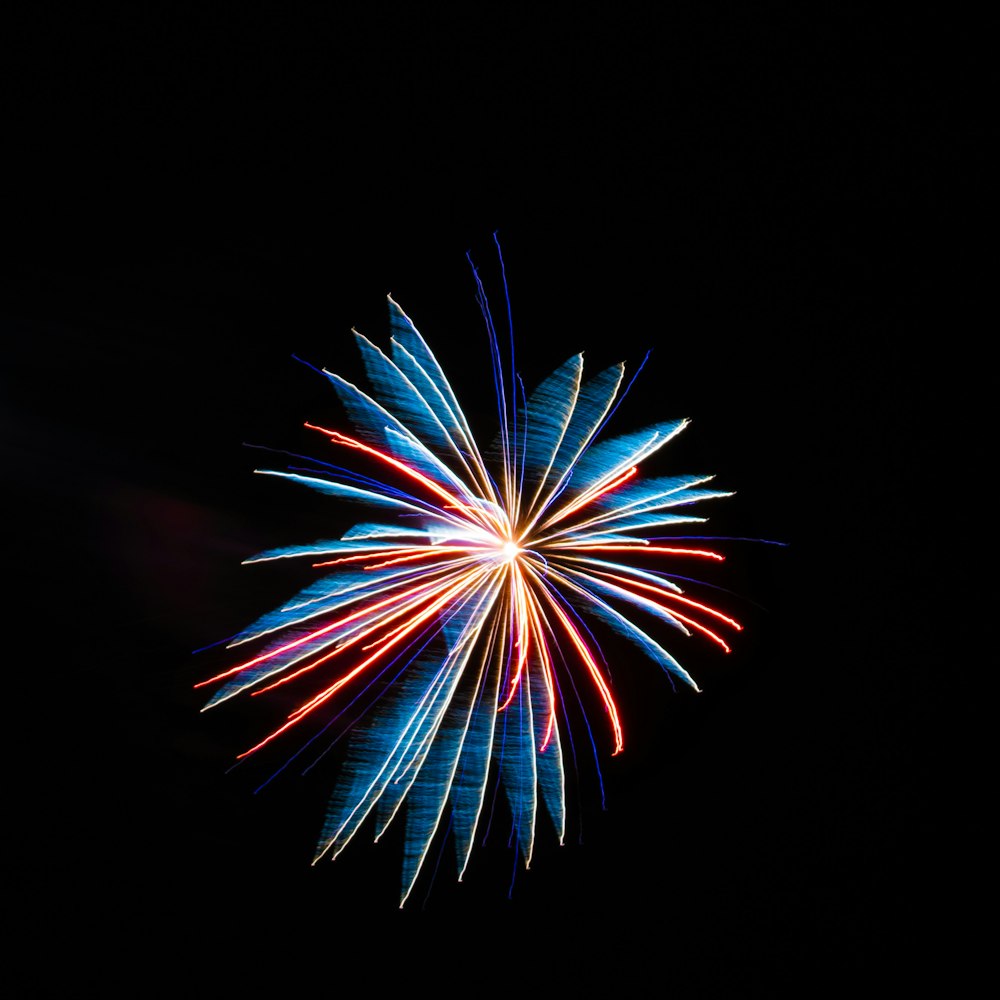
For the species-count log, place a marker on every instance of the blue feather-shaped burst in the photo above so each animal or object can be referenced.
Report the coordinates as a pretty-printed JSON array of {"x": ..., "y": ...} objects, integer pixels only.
[{"x": 460, "y": 613}]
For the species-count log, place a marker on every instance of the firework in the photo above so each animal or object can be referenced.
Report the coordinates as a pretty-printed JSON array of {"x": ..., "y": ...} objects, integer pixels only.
[{"x": 457, "y": 621}]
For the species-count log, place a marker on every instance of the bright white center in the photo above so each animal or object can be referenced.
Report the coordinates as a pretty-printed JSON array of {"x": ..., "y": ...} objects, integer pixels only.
[{"x": 510, "y": 550}]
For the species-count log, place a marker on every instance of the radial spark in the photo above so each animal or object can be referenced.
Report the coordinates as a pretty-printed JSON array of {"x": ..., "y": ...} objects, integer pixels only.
[{"x": 451, "y": 621}]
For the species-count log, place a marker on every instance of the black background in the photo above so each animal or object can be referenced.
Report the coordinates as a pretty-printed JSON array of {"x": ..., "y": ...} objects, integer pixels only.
[{"x": 782, "y": 207}]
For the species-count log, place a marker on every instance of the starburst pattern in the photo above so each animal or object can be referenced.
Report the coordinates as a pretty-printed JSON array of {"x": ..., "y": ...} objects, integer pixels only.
[{"x": 458, "y": 620}]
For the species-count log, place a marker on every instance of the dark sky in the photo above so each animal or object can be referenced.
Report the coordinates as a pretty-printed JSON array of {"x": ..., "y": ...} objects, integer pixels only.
[{"x": 781, "y": 209}]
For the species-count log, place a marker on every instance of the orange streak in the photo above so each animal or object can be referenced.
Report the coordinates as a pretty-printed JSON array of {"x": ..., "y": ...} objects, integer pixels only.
[
  {"x": 611, "y": 547},
  {"x": 520, "y": 616},
  {"x": 314, "y": 703},
  {"x": 546, "y": 673},
  {"x": 312, "y": 635},
  {"x": 408, "y": 470},
  {"x": 673, "y": 596},
  {"x": 429, "y": 553},
  {"x": 594, "y": 670},
  {"x": 362, "y": 556},
  {"x": 701, "y": 628},
  {"x": 587, "y": 498},
  {"x": 354, "y": 640}
]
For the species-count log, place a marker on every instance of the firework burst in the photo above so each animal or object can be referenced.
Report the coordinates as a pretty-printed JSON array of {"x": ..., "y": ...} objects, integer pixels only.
[{"x": 458, "y": 620}]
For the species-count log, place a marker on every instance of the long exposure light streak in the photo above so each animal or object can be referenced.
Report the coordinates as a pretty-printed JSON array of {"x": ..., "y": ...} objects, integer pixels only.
[{"x": 452, "y": 623}]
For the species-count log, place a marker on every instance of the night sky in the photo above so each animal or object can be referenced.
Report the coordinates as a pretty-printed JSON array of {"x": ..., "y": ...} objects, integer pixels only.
[{"x": 781, "y": 209}]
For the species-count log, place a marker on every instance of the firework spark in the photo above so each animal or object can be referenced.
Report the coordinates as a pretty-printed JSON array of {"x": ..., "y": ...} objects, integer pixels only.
[{"x": 459, "y": 617}]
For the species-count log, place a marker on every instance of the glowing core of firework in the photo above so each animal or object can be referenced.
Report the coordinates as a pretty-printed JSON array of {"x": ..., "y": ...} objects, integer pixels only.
[{"x": 510, "y": 550}]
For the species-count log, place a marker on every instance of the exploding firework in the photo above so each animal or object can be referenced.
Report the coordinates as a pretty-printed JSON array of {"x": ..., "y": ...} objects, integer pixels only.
[{"x": 458, "y": 622}]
